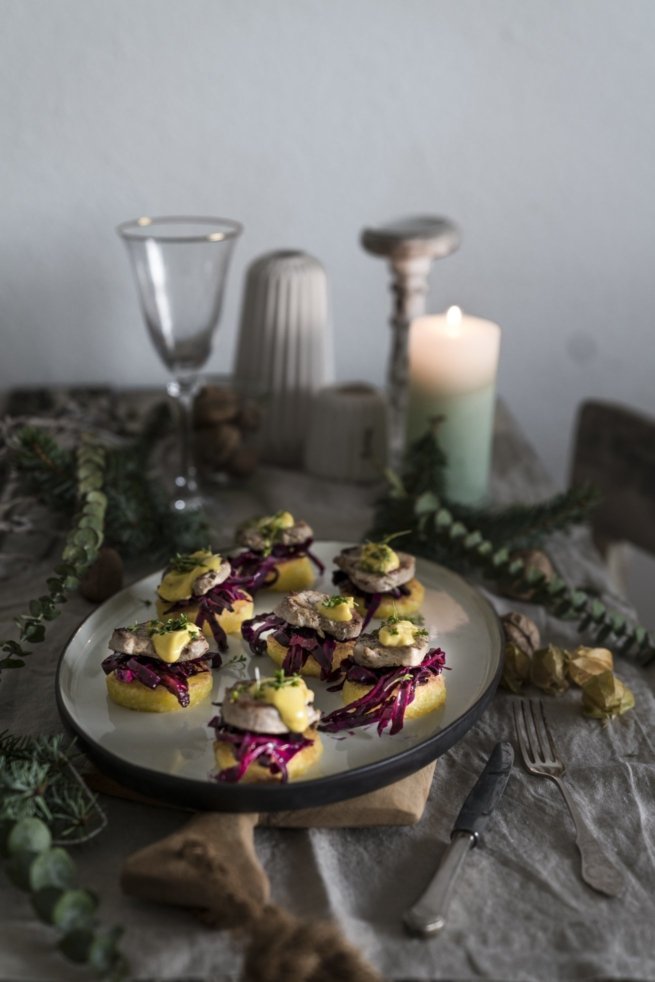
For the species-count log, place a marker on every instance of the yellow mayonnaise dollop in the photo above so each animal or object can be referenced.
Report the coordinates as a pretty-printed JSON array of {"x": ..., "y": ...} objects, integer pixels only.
[
  {"x": 170, "y": 644},
  {"x": 177, "y": 584},
  {"x": 337, "y": 608},
  {"x": 397, "y": 635},
  {"x": 289, "y": 696},
  {"x": 378, "y": 557}
]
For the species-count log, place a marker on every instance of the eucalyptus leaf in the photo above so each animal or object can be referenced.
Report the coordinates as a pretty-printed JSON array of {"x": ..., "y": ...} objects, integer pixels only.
[
  {"x": 87, "y": 537},
  {"x": 33, "y": 632},
  {"x": 74, "y": 910},
  {"x": 426, "y": 503},
  {"x": 52, "y": 868},
  {"x": 91, "y": 522},
  {"x": 97, "y": 497},
  {"x": 104, "y": 953},
  {"x": 29, "y": 835},
  {"x": 91, "y": 483}
]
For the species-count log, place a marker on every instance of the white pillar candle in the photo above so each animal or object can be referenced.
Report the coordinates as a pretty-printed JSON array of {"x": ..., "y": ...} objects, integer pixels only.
[{"x": 453, "y": 359}]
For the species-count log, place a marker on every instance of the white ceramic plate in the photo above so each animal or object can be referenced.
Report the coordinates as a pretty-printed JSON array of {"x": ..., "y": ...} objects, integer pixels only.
[{"x": 169, "y": 755}]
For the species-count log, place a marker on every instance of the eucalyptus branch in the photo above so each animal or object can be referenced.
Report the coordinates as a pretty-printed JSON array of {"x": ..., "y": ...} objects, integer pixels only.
[
  {"x": 487, "y": 540},
  {"x": 109, "y": 497},
  {"x": 43, "y": 801},
  {"x": 82, "y": 542}
]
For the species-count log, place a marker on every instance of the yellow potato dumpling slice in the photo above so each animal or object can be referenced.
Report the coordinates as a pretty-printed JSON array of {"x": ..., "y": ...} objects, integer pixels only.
[
  {"x": 297, "y": 766},
  {"x": 135, "y": 695}
]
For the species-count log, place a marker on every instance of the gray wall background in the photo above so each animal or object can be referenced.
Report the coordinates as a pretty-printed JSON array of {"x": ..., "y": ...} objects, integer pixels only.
[{"x": 528, "y": 122}]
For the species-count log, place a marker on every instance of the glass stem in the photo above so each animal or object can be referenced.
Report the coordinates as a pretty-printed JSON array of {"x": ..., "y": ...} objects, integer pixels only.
[{"x": 182, "y": 390}]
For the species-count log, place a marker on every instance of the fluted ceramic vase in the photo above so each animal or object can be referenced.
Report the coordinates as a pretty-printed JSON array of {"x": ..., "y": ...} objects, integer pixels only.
[{"x": 284, "y": 348}]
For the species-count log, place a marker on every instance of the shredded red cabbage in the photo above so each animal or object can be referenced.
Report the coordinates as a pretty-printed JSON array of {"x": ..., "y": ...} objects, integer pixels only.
[
  {"x": 371, "y": 601},
  {"x": 254, "y": 570},
  {"x": 153, "y": 672},
  {"x": 273, "y": 751},
  {"x": 214, "y": 602},
  {"x": 300, "y": 642},
  {"x": 393, "y": 689}
]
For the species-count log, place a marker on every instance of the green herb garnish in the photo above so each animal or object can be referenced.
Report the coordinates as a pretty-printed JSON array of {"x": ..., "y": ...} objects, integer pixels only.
[
  {"x": 184, "y": 563},
  {"x": 334, "y": 601},
  {"x": 280, "y": 680},
  {"x": 171, "y": 624}
]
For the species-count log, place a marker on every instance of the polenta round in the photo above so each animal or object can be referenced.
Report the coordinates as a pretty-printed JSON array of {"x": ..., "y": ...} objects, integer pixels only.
[
  {"x": 135, "y": 695},
  {"x": 296, "y": 767}
]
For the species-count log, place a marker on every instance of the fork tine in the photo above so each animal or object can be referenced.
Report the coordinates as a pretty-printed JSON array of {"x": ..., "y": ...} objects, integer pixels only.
[
  {"x": 531, "y": 730},
  {"x": 540, "y": 729},
  {"x": 523, "y": 733},
  {"x": 548, "y": 732},
  {"x": 520, "y": 734}
]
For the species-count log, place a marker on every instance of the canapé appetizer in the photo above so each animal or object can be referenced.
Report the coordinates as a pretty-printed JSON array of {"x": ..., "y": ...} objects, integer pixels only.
[
  {"x": 266, "y": 730},
  {"x": 308, "y": 632},
  {"x": 158, "y": 666},
  {"x": 381, "y": 580},
  {"x": 392, "y": 675},
  {"x": 277, "y": 553},
  {"x": 202, "y": 586}
]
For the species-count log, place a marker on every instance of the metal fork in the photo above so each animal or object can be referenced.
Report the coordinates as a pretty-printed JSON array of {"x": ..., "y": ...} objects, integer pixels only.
[{"x": 541, "y": 757}]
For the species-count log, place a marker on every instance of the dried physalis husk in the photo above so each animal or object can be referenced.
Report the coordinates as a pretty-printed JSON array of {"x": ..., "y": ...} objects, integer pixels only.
[
  {"x": 605, "y": 696},
  {"x": 521, "y": 631},
  {"x": 549, "y": 669},
  {"x": 516, "y": 668},
  {"x": 584, "y": 663}
]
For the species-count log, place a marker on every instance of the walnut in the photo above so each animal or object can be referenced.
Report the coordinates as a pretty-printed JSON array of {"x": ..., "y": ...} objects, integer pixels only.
[
  {"x": 213, "y": 405},
  {"x": 521, "y": 631}
]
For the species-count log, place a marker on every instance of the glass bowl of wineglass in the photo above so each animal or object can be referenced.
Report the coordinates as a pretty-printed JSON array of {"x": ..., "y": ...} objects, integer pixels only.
[{"x": 180, "y": 264}]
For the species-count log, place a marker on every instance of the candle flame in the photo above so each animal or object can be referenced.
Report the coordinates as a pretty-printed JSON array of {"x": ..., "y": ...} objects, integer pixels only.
[{"x": 454, "y": 319}]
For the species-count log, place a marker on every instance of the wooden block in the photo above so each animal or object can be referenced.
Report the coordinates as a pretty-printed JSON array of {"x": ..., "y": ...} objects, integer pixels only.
[{"x": 401, "y": 803}]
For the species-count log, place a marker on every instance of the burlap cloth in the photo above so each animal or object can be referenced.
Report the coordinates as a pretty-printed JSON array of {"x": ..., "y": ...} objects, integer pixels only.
[{"x": 521, "y": 910}]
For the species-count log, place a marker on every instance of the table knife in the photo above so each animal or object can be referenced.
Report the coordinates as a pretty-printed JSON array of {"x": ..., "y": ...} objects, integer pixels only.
[{"x": 428, "y": 915}]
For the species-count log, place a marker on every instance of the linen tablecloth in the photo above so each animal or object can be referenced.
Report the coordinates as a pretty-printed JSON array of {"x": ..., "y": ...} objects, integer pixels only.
[{"x": 520, "y": 911}]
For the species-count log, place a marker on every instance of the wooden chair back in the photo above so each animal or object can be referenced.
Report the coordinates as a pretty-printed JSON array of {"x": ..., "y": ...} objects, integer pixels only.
[{"x": 614, "y": 448}]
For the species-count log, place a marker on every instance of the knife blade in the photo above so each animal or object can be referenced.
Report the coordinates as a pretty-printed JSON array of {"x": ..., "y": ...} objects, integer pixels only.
[{"x": 428, "y": 915}]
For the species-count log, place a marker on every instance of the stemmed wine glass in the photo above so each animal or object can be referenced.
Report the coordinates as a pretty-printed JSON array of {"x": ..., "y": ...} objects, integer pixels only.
[{"x": 180, "y": 265}]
